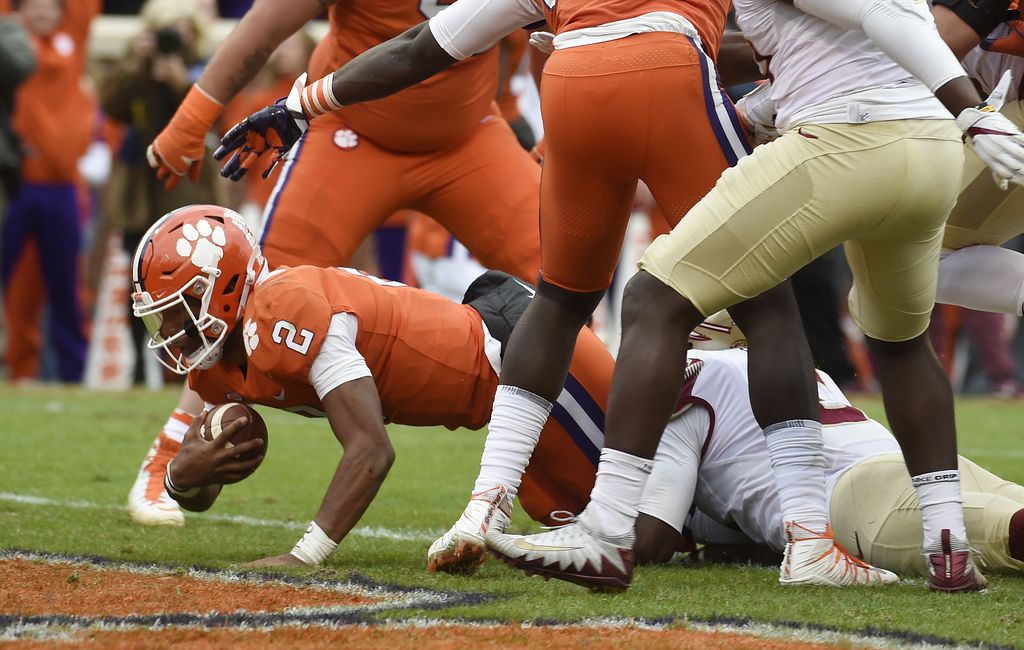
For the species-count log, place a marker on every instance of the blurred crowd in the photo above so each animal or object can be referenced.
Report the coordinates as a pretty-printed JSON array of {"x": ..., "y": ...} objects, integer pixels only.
[{"x": 77, "y": 194}]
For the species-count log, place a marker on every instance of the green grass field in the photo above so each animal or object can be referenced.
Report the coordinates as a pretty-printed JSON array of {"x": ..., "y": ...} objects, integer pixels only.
[{"x": 68, "y": 458}]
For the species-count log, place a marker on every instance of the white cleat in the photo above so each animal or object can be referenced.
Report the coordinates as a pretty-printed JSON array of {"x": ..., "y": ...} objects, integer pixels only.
[
  {"x": 148, "y": 502},
  {"x": 813, "y": 558},
  {"x": 573, "y": 552},
  {"x": 461, "y": 550}
]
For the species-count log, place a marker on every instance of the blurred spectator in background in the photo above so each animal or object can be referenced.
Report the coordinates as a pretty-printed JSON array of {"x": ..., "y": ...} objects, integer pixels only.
[
  {"x": 54, "y": 117},
  {"x": 141, "y": 93},
  {"x": 17, "y": 61},
  {"x": 225, "y": 8},
  {"x": 990, "y": 343}
]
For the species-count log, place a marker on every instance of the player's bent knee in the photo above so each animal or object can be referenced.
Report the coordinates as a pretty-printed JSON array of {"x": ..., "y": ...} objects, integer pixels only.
[
  {"x": 647, "y": 299},
  {"x": 582, "y": 304},
  {"x": 920, "y": 344}
]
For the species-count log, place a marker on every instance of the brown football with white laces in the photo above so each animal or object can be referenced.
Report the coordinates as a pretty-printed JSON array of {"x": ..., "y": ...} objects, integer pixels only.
[{"x": 221, "y": 416}]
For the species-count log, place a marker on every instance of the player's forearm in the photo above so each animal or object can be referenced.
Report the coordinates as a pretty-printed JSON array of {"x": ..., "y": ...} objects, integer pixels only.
[
  {"x": 358, "y": 477},
  {"x": 201, "y": 501},
  {"x": 404, "y": 61},
  {"x": 249, "y": 45},
  {"x": 191, "y": 498},
  {"x": 957, "y": 34},
  {"x": 958, "y": 95}
]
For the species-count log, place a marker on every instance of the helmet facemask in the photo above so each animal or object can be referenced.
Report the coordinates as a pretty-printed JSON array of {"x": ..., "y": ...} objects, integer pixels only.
[{"x": 209, "y": 330}]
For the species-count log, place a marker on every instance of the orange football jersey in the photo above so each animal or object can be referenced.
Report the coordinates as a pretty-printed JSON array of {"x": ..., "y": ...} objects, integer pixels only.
[
  {"x": 426, "y": 353},
  {"x": 707, "y": 16},
  {"x": 438, "y": 113}
]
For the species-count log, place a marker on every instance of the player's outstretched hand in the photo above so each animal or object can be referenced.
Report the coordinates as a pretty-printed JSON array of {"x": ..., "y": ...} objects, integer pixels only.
[
  {"x": 276, "y": 128},
  {"x": 278, "y": 560},
  {"x": 996, "y": 140},
  {"x": 201, "y": 462}
]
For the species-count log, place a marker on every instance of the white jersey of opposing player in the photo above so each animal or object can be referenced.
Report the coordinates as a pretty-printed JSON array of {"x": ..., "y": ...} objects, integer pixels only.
[
  {"x": 824, "y": 74},
  {"x": 735, "y": 484},
  {"x": 986, "y": 68}
]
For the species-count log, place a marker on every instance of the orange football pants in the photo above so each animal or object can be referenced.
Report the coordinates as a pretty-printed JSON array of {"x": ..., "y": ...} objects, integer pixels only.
[
  {"x": 648, "y": 107},
  {"x": 564, "y": 464},
  {"x": 340, "y": 186}
]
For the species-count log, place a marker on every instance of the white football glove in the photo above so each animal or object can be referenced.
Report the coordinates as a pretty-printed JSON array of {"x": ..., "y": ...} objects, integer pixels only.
[
  {"x": 757, "y": 112},
  {"x": 996, "y": 140},
  {"x": 543, "y": 41}
]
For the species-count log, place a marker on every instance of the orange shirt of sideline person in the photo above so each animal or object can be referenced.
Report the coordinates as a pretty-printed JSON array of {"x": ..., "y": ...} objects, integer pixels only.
[{"x": 54, "y": 115}]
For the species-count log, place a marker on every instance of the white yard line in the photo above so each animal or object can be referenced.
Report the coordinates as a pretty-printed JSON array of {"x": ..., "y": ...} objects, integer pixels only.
[{"x": 371, "y": 532}]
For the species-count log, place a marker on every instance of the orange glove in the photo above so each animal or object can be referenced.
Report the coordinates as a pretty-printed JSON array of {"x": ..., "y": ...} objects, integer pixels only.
[{"x": 179, "y": 148}]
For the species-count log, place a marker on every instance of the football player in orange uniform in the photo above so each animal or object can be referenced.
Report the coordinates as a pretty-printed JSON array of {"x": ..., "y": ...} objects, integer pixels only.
[
  {"x": 361, "y": 351},
  {"x": 442, "y": 148}
]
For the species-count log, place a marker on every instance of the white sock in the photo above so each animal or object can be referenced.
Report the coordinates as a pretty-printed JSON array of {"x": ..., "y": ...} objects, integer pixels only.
[
  {"x": 617, "y": 492},
  {"x": 517, "y": 418},
  {"x": 941, "y": 504},
  {"x": 177, "y": 425},
  {"x": 798, "y": 458}
]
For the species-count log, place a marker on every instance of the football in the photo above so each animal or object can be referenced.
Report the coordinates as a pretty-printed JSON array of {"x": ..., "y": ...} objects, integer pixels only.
[{"x": 221, "y": 416}]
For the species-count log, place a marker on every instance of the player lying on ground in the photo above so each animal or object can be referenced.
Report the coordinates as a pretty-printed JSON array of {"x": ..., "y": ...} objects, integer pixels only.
[
  {"x": 713, "y": 456},
  {"x": 358, "y": 350}
]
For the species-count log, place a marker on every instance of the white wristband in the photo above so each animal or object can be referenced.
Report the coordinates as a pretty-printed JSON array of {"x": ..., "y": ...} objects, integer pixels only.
[
  {"x": 174, "y": 490},
  {"x": 315, "y": 546}
]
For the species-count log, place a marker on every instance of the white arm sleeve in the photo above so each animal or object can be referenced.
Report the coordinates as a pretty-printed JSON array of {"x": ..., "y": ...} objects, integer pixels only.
[
  {"x": 338, "y": 361},
  {"x": 903, "y": 29},
  {"x": 669, "y": 491},
  {"x": 469, "y": 27},
  {"x": 985, "y": 278}
]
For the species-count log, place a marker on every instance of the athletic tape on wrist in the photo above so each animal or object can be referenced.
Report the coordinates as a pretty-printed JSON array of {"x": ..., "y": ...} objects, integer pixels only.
[
  {"x": 174, "y": 490},
  {"x": 318, "y": 97},
  {"x": 315, "y": 546}
]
